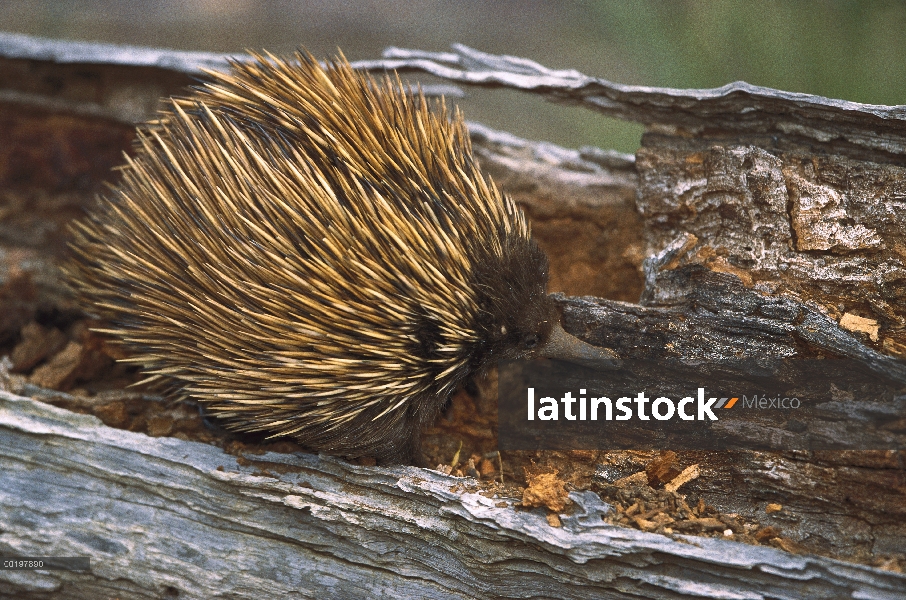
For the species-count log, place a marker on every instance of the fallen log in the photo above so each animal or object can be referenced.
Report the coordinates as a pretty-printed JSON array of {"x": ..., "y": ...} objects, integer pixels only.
[{"x": 766, "y": 215}]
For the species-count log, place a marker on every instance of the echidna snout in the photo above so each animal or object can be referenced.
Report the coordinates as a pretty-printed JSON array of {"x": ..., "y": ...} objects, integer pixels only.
[{"x": 313, "y": 253}]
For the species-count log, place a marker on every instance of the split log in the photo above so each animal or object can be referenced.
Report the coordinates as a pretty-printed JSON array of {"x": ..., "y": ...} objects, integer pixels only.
[
  {"x": 165, "y": 518},
  {"x": 772, "y": 215}
]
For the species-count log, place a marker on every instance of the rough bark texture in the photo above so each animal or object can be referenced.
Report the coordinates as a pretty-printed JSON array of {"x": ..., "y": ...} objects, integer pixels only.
[
  {"x": 170, "y": 518},
  {"x": 774, "y": 221},
  {"x": 846, "y": 502},
  {"x": 797, "y": 223},
  {"x": 798, "y": 195}
]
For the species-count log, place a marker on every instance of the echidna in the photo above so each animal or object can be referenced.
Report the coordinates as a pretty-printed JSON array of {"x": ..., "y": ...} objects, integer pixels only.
[{"x": 310, "y": 252}]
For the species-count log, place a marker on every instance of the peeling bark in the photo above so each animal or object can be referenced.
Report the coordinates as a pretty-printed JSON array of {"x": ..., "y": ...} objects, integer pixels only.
[{"x": 773, "y": 221}]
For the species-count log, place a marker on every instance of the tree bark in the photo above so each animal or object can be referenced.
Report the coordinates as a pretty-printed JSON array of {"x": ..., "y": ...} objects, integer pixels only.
[{"x": 767, "y": 217}]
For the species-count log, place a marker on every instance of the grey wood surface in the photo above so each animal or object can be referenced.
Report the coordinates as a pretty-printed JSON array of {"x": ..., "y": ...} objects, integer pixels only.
[
  {"x": 161, "y": 520},
  {"x": 739, "y": 106},
  {"x": 162, "y": 516}
]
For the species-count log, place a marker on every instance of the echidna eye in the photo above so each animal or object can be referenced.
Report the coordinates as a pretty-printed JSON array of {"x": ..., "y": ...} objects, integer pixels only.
[{"x": 531, "y": 340}]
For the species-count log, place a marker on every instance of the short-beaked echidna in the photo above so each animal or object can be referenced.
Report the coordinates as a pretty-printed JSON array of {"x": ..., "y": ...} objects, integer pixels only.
[{"x": 310, "y": 252}]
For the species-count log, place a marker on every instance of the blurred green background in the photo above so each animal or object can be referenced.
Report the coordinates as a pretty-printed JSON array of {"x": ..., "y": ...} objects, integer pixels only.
[{"x": 855, "y": 50}]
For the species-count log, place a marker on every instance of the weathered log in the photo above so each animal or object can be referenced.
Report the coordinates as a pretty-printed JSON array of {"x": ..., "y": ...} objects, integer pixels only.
[
  {"x": 739, "y": 108},
  {"x": 797, "y": 195},
  {"x": 170, "y": 518},
  {"x": 160, "y": 519}
]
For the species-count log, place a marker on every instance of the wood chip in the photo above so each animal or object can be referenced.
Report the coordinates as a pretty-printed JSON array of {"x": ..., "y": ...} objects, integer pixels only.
[
  {"x": 851, "y": 322},
  {"x": 710, "y": 524},
  {"x": 788, "y": 545},
  {"x": 61, "y": 368},
  {"x": 545, "y": 489},
  {"x": 645, "y": 525},
  {"x": 689, "y": 473},
  {"x": 772, "y": 508},
  {"x": 766, "y": 533},
  {"x": 662, "y": 469},
  {"x": 703, "y": 524},
  {"x": 37, "y": 344},
  {"x": 640, "y": 478}
]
